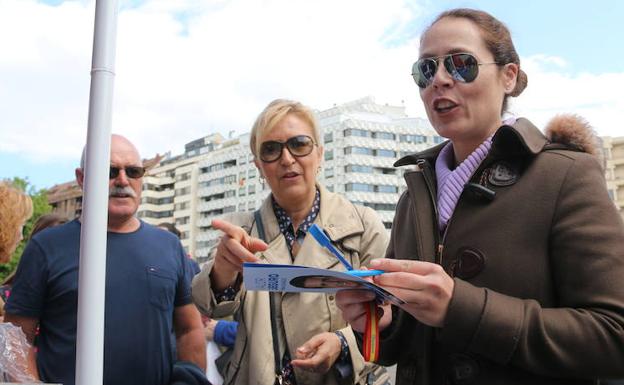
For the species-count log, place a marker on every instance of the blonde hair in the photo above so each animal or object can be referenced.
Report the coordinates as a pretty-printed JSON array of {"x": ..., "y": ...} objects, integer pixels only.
[
  {"x": 274, "y": 113},
  {"x": 15, "y": 208}
]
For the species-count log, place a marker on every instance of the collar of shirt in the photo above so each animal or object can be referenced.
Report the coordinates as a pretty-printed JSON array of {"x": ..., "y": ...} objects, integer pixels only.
[{"x": 285, "y": 223}]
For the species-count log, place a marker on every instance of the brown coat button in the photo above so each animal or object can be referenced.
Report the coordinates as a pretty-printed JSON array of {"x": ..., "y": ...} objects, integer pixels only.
[{"x": 469, "y": 263}]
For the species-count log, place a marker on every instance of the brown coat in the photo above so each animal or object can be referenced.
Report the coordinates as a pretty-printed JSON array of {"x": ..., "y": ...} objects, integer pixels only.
[
  {"x": 357, "y": 231},
  {"x": 538, "y": 270}
]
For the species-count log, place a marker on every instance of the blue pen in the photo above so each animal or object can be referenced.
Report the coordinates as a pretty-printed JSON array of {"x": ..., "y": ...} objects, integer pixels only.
[
  {"x": 324, "y": 241},
  {"x": 365, "y": 273}
]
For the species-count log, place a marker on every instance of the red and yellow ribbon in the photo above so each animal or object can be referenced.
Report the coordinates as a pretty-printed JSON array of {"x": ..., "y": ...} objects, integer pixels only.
[{"x": 371, "y": 335}]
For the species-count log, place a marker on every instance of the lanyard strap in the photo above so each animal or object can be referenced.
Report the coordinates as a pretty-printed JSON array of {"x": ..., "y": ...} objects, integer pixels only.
[
  {"x": 276, "y": 353},
  {"x": 371, "y": 334}
]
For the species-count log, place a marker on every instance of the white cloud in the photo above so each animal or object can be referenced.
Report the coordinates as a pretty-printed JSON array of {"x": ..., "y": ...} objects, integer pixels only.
[
  {"x": 596, "y": 97},
  {"x": 187, "y": 68},
  {"x": 190, "y": 67}
]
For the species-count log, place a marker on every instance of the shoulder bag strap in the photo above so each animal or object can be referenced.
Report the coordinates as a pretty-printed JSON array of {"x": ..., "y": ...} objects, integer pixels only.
[{"x": 276, "y": 353}]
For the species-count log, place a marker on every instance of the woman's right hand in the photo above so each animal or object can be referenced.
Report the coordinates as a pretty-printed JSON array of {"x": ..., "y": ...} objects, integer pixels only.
[
  {"x": 353, "y": 304},
  {"x": 234, "y": 248}
]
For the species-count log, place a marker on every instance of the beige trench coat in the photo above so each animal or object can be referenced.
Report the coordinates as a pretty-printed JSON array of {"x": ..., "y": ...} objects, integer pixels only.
[{"x": 361, "y": 236}]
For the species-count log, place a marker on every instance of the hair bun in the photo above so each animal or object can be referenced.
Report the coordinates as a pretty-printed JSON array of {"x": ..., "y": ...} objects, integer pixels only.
[{"x": 521, "y": 82}]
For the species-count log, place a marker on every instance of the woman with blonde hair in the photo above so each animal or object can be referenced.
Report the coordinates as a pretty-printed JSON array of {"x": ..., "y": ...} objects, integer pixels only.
[
  {"x": 15, "y": 209},
  {"x": 289, "y": 338}
]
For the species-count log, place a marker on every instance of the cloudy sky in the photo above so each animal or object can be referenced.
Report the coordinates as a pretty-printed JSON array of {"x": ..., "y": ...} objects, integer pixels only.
[{"x": 187, "y": 68}]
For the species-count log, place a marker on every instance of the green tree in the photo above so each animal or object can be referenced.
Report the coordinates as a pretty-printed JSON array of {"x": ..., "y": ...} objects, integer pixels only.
[{"x": 40, "y": 206}]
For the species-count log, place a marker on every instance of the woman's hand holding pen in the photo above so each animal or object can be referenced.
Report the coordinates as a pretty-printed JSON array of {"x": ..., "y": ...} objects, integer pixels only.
[
  {"x": 425, "y": 286},
  {"x": 235, "y": 247}
]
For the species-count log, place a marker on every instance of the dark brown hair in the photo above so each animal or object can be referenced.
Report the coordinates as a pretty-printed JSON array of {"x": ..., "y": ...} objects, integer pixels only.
[
  {"x": 497, "y": 39},
  {"x": 170, "y": 227},
  {"x": 47, "y": 220}
]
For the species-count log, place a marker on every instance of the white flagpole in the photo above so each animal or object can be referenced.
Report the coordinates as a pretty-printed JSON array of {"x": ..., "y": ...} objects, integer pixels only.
[{"x": 92, "y": 273}]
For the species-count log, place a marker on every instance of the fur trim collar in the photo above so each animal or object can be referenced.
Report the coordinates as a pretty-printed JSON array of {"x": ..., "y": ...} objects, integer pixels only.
[{"x": 573, "y": 131}]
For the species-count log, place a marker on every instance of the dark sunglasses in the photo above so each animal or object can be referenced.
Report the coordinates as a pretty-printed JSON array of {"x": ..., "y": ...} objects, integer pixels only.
[
  {"x": 463, "y": 67},
  {"x": 300, "y": 145},
  {"x": 134, "y": 172}
]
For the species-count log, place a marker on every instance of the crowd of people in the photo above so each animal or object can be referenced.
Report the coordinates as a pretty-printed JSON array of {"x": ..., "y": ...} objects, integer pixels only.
[{"x": 505, "y": 248}]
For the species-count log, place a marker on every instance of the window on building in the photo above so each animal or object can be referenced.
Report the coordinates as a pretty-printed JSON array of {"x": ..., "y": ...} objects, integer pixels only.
[
  {"x": 182, "y": 205},
  {"x": 329, "y": 155},
  {"x": 182, "y": 220},
  {"x": 357, "y": 132},
  {"x": 242, "y": 192},
  {"x": 359, "y": 168},
  {"x": 382, "y": 188},
  {"x": 329, "y": 137},
  {"x": 183, "y": 176},
  {"x": 183, "y": 191},
  {"x": 385, "y": 153},
  {"x": 251, "y": 189},
  {"x": 358, "y": 151},
  {"x": 329, "y": 172},
  {"x": 362, "y": 187},
  {"x": 384, "y": 135},
  {"x": 413, "y": 138}
]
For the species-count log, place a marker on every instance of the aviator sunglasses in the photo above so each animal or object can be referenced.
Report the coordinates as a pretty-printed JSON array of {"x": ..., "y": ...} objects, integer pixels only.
[
  {"x": 134, "y": 172},
  {"x": 298, "y": 146},
  {"x": 463, "y": 67}
]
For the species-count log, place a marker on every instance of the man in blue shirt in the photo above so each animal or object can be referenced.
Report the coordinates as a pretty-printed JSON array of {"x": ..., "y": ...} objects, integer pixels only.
[{"x": 147, "y": 291}]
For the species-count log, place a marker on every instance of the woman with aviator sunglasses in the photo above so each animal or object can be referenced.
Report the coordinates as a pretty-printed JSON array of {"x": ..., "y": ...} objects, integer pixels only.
[
  {"x": 505, "y": 245},
  {"x": 290, "y": 338}
]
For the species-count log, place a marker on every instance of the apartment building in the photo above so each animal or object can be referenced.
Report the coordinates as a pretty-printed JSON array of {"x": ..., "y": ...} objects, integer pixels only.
[{"x": 170, "y": 189}]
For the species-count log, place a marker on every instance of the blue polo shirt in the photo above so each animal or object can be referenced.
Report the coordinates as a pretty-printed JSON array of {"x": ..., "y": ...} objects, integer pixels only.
[{"x": 146, "y": 278}]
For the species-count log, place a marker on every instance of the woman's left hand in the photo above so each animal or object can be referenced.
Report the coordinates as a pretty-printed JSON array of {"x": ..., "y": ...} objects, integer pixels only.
[
  {"x": 425, "y": 286},
  {"x": 319, "y": 353}
]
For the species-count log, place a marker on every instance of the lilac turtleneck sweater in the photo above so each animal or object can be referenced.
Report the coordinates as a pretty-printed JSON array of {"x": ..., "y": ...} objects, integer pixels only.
[{"x": 451, "y": 181}]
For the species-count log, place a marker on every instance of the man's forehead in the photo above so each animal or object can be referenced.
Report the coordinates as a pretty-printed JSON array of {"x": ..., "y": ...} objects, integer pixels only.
[{"x": 125, "y": 156}]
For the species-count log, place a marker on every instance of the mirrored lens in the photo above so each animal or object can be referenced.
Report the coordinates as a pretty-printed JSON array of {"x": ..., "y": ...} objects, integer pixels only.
[
  {"x": 423, "y": 71},
  {"x": 462, "y": 66}
]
